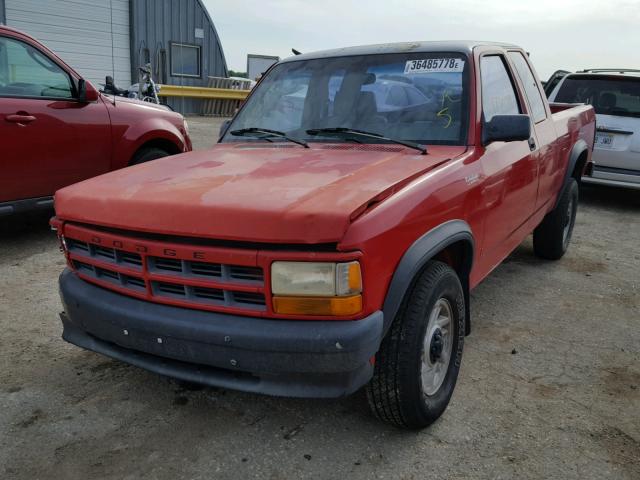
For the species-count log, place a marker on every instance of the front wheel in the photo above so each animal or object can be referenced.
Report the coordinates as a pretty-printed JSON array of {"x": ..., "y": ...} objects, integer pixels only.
[
  {"x": 418, "y": 363},
  {"x": 552, "y": 237},
  {"x": 147, "y": 154}
]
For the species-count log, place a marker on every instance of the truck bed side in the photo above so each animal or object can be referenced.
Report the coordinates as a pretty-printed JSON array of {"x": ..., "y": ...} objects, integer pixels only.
[{"x": 576, "y": 129}]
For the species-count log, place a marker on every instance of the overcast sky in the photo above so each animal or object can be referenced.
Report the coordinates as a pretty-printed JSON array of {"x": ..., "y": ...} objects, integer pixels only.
[{"x": 568, "y": 34}]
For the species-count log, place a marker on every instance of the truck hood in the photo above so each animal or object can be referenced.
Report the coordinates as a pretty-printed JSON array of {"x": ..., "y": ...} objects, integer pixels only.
[{"x": 250, "y": 192}]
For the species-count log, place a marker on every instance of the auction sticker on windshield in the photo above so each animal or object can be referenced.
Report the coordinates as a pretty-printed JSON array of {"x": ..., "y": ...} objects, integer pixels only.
[{"x": 435, "y": 65}]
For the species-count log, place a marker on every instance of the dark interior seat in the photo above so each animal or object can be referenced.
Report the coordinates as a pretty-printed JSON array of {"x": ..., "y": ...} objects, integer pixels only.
[
  {"x": 367, "y": 116},
  {"x": 607, "y": 101}
]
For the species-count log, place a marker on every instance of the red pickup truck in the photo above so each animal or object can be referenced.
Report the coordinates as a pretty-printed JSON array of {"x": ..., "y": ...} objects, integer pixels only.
[
  {"x": 330, "y": 239},
  {"x": 57, "y": 129}
]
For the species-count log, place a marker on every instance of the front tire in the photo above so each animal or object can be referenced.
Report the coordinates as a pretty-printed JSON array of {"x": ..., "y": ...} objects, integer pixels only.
[
  {"x": 552, "y": 237},
  {"x": 418, "y": 363},
  {"x": 147, "y": 154}
]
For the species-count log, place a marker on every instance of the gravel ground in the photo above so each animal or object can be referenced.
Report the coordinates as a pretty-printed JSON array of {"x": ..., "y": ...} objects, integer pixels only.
[{"x": 549, "y": 386}]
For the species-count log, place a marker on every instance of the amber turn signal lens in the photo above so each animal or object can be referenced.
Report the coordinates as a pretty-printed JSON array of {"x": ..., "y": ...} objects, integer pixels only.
[
  {"x": 355, "y": 277},
  {"x": 334, "y": 306}
]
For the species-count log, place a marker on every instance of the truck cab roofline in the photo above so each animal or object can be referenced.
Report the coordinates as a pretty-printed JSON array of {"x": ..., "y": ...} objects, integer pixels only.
[{"x": 459, "y": 46}]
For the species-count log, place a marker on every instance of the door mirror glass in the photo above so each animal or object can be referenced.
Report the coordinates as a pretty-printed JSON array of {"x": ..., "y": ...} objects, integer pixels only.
[{"x": 506, "y": 128}]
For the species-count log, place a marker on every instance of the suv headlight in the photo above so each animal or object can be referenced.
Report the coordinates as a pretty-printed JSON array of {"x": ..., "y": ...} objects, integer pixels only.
[{"x": 316, "y": 288}]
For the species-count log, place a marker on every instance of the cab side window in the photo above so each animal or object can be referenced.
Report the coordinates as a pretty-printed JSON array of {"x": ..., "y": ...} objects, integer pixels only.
[
  {"x": 536, "y": 104},
  {"x": 25, "y": 72},
  {"x": 498, "y": 94}
]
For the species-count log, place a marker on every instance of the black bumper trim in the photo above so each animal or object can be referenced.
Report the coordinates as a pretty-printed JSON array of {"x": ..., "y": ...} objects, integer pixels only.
[
  {"x": 26, "y": 205},
  {"x": 277, "y": 357},
  {"x": 616, "y": 170}
]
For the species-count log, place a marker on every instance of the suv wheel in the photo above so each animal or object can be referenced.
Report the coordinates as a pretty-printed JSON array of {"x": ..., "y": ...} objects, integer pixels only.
[
  {"x": 418, "y": 363},
  {"x": 552, "y": 237},
  {"x": 147, "y": 154}
]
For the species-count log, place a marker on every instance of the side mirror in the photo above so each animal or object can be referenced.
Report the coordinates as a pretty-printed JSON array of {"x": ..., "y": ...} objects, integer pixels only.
[
  {"x": 223, "y": 128},
  {"x": 506, "y": 128},
  {"x": 86, "y": 92}
]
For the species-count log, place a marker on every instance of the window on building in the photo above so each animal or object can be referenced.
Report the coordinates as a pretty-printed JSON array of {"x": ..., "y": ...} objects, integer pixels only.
[
  {"x": 185, "y": 60},
  {"x": 498, "y": 95},
  {"x": 530, "y": 86}
]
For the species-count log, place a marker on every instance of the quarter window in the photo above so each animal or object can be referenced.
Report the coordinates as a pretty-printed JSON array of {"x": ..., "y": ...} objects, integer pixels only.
[
  {"x": 185, "y": 60},
  {"x": 530, "y": 86},
  {"x": 498, "y": 95},
  {"x": 25, "y": 72}
]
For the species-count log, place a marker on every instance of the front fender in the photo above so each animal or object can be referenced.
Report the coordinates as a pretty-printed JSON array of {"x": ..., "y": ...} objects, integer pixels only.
[
  {"x": 140, "y": 133},
  {"x": 415, "y": 258}
]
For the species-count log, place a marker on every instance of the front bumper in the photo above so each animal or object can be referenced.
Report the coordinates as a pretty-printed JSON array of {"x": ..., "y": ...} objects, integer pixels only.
[{"x": 296, "y": 358}]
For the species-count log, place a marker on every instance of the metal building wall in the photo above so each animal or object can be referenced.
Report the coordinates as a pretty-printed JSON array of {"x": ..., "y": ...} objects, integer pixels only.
[
  {"x": 90, "y": 35},
  {"x": 157, "y": 23},
  {"x": 3, "y": 18}
]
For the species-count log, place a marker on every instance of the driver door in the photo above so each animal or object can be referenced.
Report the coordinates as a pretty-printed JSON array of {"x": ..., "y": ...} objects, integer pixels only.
[
  {"x": 511, "y": 168},
  {"x": 49, "y": 138}
]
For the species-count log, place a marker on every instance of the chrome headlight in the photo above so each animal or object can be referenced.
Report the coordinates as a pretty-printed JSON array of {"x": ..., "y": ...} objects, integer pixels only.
[
  {"x": 316, "y": 288},
  {"x": 316, "y": 279}
]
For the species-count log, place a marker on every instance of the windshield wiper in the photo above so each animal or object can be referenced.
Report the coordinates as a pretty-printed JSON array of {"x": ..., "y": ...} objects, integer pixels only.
[
  {"x": 265, "y": 133},
  {"x": 341, "y": 131}
]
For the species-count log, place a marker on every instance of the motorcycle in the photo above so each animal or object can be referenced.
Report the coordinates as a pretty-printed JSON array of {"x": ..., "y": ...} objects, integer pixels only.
[{"x": 145, "y": 90}]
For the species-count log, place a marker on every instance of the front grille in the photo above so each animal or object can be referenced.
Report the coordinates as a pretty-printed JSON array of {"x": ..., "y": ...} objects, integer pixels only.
[
  {"x": 111, "y": 276},
  {"x": 166, "y": 264},
  {"x": 202, "y": 284},
  {"x": 213, "y": 294},
  {"x": 171, "y": 266},
  {"x": 206, "y": 269},
  {"x": 249, "y": 297},
  {"x": 104, "y": 254},
  {"x": 253, "y": 274},
  {"x": 77, "y": 245}
]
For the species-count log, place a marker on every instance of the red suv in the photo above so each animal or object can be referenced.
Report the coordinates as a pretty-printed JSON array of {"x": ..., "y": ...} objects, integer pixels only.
[{"x": 57, "y": 129}]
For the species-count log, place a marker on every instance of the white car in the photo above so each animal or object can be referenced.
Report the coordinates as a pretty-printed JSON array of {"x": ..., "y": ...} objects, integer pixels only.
[{"x": 615, "y": 96}]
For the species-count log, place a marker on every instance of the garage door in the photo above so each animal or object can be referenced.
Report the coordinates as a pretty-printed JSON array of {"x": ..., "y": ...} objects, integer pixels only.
[{"x": 90, "y": 35}]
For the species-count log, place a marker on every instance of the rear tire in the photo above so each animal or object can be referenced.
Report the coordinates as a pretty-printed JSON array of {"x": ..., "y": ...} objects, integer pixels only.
[
  {"x": 418, "y": 363},
  {"x": 552, "y": 237},
  {"x": 147, "y": 154}
]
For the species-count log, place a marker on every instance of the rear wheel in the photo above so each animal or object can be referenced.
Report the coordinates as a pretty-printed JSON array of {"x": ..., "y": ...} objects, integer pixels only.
[
  {"x": 147, "y": 154},
  {"x": 418, "y": 363},
  {"x": 552, "y": 237}
]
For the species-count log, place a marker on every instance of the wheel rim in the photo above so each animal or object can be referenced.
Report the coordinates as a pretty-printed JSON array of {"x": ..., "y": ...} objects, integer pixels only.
[
  {"x": 437, "y": 346},
  {"x": 568, "y": 220}
]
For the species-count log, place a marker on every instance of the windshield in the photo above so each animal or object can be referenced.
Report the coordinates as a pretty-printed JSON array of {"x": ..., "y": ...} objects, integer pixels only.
[
  {"x": 418, "y": 97},
  {"x": 609, "y": 96}
]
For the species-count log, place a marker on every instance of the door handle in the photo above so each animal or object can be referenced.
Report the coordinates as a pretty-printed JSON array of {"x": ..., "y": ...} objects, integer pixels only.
[
  {"x": 20, "y": 118},
  {"x": 532, "y": 144}
]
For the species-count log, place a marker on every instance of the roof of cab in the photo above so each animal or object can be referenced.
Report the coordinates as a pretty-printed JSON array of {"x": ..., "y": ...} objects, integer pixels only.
[{"x": 461, "y": 46}]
